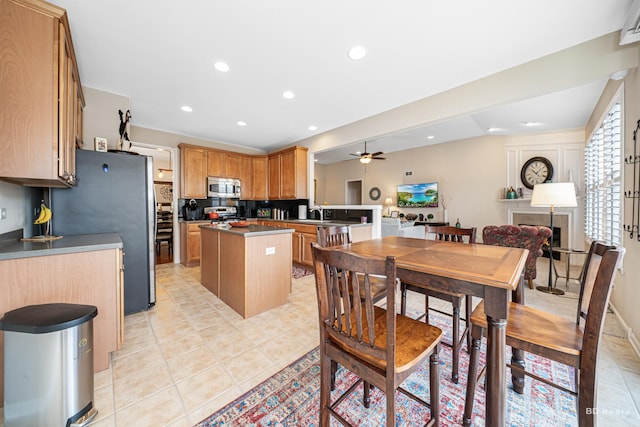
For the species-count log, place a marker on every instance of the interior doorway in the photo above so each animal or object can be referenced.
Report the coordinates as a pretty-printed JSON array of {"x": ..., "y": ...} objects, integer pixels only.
[
  {"x": 353, "y": 192},
  {"x": 164, "y": 180}
]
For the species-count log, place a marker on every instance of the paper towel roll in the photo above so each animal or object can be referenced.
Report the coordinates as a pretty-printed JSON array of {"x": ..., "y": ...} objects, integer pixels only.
[{"x": 302, "y": 211}]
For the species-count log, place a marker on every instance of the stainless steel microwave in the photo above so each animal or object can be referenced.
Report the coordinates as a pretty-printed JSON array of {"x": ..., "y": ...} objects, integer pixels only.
[{"x": 223, "y": 187}]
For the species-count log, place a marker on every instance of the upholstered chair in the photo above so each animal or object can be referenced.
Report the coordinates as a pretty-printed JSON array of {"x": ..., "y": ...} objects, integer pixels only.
[{"x": 519, "y": 236}]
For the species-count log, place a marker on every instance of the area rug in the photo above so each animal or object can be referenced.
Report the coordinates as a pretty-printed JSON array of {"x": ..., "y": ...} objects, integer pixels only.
[
  {"x": 299, "y": 272},
  {"x": 291, "y": 397}
]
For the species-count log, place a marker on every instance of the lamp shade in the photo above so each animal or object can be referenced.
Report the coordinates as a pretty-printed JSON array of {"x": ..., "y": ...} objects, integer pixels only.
[
  {"x": 388, "y": 201},
  {"x": 556, "y": 194}
]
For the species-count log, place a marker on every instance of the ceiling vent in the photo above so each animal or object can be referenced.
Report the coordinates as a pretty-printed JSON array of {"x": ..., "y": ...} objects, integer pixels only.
[{"x": 630, "y": 33}]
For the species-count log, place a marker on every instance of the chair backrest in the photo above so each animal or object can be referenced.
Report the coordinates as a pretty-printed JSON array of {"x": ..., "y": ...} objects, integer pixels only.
[
  {"x": 350, "y": 322},
  {"x": 451, "y": 234},
  {"x": 597, "y": 278},
  {"x": 334, "y": 236},
  {"x": 519, "y": 236}
]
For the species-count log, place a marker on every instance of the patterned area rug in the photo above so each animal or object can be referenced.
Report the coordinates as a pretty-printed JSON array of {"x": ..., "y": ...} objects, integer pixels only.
[
  {"x": 291, "y": 397},
  {"x": 299, "y": 272}
]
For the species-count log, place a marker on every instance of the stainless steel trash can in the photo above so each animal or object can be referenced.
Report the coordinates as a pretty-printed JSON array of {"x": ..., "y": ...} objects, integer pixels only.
[{"x": 48, "y": 365}]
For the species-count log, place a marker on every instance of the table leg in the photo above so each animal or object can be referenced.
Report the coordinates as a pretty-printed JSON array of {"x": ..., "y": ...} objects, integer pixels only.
[
  {"x": 496, "y": 371},
  {"x": 568, "y": 267}
]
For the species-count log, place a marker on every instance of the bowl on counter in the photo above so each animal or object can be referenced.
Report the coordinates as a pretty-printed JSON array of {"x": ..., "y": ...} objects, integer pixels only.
[{"x": 239, "y": 224}]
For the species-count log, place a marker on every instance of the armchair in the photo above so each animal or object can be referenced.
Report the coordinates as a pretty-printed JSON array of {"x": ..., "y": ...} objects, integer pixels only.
[{"x": 519, "y": 236}]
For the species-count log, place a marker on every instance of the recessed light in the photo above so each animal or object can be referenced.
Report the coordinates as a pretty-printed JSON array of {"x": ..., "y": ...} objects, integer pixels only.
[
  {"x": 287, "y": 94},
  {"x": 241, "y": 123},
  {"x": 313, "y": 127},
  {"x": 186, "y": 109},
  {"x": 530, "y": 124},
  {"x": 430, "y": 137},
  {"x": 357, "y": 52},
  {"x": 494, "y": 129},
  {"x": 223, "y": 67}
]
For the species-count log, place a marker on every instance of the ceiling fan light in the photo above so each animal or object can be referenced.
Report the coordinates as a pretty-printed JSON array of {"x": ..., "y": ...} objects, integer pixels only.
[{"x": 365, "y": 160}]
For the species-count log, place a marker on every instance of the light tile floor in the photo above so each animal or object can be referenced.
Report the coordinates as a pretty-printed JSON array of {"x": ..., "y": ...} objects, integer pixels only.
[{"x": 191, "y": 354}]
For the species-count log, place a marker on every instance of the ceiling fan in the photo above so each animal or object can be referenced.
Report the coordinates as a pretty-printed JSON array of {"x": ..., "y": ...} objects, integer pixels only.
[{"x": 366, "y": 157}]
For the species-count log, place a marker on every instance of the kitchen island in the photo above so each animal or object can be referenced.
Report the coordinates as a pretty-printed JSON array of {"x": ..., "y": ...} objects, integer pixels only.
[{"x": 248, "y": 268}]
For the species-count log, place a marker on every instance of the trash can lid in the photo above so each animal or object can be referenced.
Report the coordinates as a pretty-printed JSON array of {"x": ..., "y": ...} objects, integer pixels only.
[{"x": 44, "y": 318}]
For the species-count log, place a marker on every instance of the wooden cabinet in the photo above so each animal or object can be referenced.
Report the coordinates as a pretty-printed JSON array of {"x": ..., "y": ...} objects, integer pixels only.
[
  {"x": 190, "y": 243},
  {"x": 193, "y": 172},
  {"x": 92, "y": 277},
  {"x": 42, "y": 97},
  {"x": 259, "y": 177},
  {"x": 223, "y": 163},
  {"x": 246, "y": 178},
  {"x": 288, "y": 174},
  {"x": 301, "y": 243}
]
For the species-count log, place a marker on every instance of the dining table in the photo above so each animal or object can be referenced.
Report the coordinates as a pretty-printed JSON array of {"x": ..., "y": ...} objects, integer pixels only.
[{"x": 486, "y": 271}]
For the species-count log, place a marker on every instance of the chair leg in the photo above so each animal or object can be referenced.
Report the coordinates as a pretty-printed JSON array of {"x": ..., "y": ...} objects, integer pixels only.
[
  {"x": 403, "y": 299},
  {"x": 530, "y": 283},
  {"x": 468, "y": 307},
  {"x": 434, "y": 386},
  {"x": 325, "y": 389},
  {"x": 587, "y": 396},
  {"x": 455, "y": 348},
  {"x": 366, "y": 395},
  {"x": 334, "y": 369},
  {"x": 472, "y": 380},
  {"x": 517, "y": 377},
  {"x": 391, "y": 406}
]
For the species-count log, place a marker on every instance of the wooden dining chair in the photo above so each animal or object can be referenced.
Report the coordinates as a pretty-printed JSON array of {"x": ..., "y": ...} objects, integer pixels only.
[
  {"x": 380, "y": 346},
  {"x": 573, "y": 343},
  {"x": 451, "y": 234}
]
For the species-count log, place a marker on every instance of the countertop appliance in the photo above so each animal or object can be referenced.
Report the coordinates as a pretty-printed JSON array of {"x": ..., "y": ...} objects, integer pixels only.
[
  {"x": 228, "y": 188},
  {"x": 114, "y": 194},
  {"x": 225, "y": 213}
]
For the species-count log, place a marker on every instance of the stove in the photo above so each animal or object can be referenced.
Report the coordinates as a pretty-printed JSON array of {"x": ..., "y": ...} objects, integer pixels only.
[{"x": 225, "y": 213}]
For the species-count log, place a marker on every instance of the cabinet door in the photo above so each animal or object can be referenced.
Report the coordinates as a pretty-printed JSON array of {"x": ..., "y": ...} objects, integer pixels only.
[
  {"x": 274, "y": 177},
  {"x": 296, "y": 241},
  {"x": 246, "y": 178},
  {"x": 231, "y": 165},
  {"x": 214, "y": 163},
  {"x": 193, "y": 171},
  {"x": 306, "y": 256},
  {"x": 193, "y": 248},
  {"x": 288, "y": 175},
  {"x": 259, "y": 178}
]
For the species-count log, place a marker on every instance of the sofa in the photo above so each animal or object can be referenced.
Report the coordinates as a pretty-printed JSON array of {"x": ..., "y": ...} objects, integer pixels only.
[{"x": 395, "y": 227}]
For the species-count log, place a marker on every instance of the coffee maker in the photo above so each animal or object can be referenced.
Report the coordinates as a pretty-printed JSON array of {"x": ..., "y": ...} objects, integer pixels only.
[{"x": 190, "y": 210}]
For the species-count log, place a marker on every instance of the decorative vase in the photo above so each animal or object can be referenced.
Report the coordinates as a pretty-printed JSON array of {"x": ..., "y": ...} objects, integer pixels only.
[{"x": 445, "y": 215}]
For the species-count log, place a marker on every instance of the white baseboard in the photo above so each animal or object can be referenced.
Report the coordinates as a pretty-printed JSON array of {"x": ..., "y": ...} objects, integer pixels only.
[{"x": 633, "y": 338}]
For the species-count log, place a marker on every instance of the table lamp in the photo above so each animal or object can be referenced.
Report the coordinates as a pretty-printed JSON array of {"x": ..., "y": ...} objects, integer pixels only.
[
  {"x": 388, "y": 202},
  {"x": 553, "y": 194}
]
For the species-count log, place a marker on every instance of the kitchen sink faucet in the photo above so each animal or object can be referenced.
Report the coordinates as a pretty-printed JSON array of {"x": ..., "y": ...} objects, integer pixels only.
[{"x": 317, "y": 208}]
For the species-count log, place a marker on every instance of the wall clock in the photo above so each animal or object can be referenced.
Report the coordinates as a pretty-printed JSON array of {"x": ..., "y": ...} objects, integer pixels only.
[
  {"x": 374, "y": 193},
  {"x": 536, "y": 170}
]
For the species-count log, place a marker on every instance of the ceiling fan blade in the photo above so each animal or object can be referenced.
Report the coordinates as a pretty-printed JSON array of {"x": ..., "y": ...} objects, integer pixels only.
[
  {"x": 379, "y": 158},
  {"x": 352, "y": 154},
  {"x": 377, "y": 154}
]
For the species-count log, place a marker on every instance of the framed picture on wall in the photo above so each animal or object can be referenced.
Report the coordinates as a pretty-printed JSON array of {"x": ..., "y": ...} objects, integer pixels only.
[{"x": 101, "y": 144}]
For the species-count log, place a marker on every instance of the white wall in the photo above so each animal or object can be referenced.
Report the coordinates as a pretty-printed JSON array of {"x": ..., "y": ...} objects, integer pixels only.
[{"x": 12, "y": 198}]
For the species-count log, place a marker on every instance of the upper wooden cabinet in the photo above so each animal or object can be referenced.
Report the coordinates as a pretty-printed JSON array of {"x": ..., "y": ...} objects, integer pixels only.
[
  {"x": 288, "y": 174},
  {"x": 223, "y": 163},
  {"x": 42, "y": 100},
  {"x": 193, "y": 172},
  {"x": 259, "y": 177}
]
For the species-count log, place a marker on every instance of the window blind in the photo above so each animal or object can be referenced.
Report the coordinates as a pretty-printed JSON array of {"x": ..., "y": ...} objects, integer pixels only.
[{"x": 603, "y": 180}]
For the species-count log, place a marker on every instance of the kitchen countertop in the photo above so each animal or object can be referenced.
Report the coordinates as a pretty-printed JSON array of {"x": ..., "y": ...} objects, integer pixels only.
[
  {"x": 66, "y": 245},
  {"x": 250, "y": 231},
  {"x": 324, "y": 223}
]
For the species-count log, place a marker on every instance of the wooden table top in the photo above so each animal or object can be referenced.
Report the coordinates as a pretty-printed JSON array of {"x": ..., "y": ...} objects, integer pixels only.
[{"x": 487, "y": 265}]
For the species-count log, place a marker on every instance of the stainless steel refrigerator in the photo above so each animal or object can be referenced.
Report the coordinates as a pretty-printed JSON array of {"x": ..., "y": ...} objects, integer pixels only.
[{"x": 114, "y": 193}]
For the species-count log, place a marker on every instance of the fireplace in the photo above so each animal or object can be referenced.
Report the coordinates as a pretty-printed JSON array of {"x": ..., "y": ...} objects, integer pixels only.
[{"x": 560, "y": 227}]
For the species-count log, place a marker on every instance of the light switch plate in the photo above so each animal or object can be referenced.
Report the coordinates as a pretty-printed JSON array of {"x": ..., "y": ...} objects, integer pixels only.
[{"x": 3, "y": 213}]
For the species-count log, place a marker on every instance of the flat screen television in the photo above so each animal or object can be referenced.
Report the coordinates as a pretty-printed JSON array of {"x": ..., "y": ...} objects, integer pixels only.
[{"x": 418, "y": 195}]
